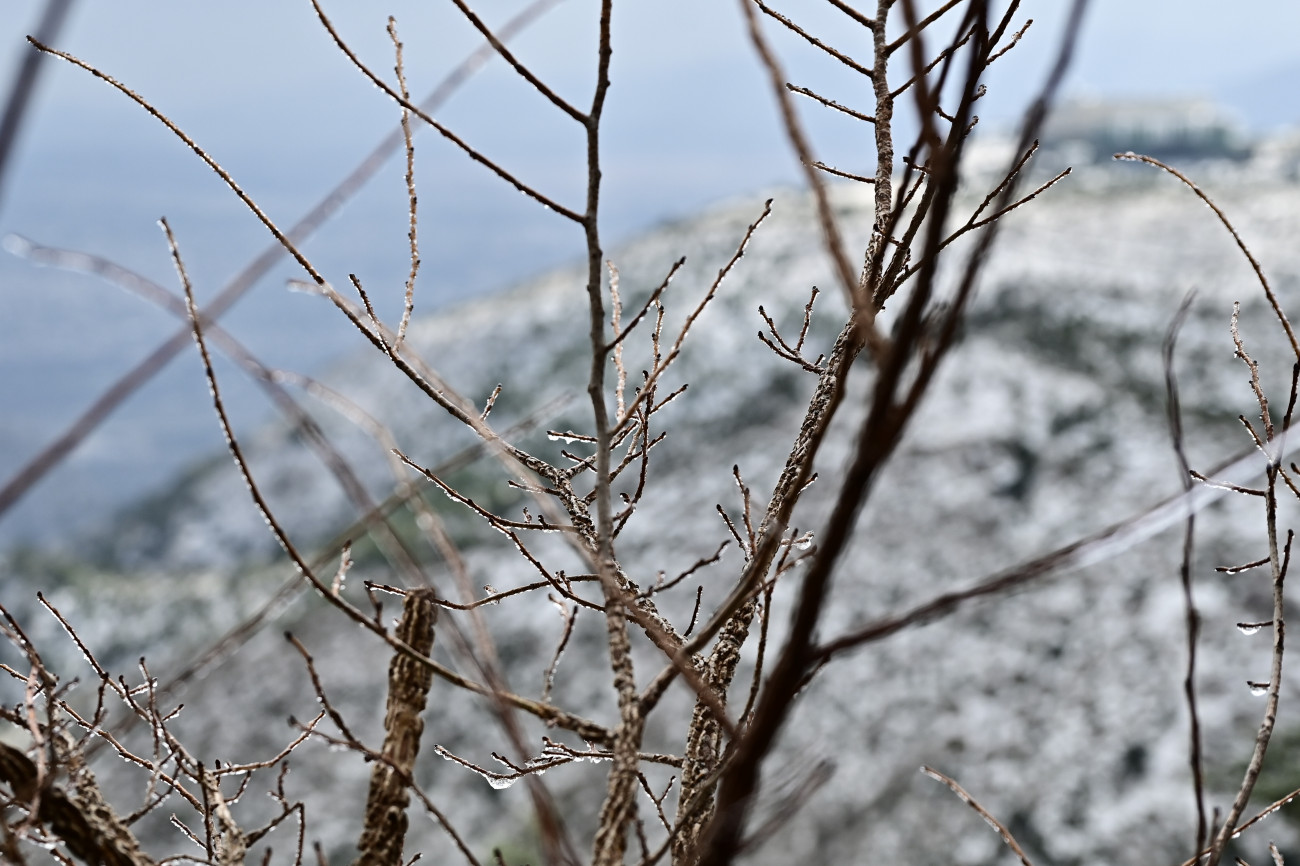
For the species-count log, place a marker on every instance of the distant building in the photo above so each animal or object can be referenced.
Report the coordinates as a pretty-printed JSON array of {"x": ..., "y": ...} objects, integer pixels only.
[{"x": 1172, "y": 129}]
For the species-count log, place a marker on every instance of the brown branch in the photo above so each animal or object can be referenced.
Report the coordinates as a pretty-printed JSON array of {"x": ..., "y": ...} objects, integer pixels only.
[
  {"x": 1238, "y": 569},
  {"x": 663, "y": 362},
  {"x": 877, "y": 439},
  {"x": 386, "y": 821},
  {"x": 1253, "y": 366},
  {"x": 1015, "y": 40},
  {"x": 1241, "y": 244},
  {"x": 616, "y": 324},
  {"x": 570, "y": 616},
  {"x": 1279, "y": 561},
  {"x": 736, "y": 610},
  {"x": 857, "y": 16},
  {"x": 982, "y": 812},
  {"x": 270, "y": 381},
  {"x": 885, "y": 216},
  {"x": 497, "y": 597},
  {"x": 305, "y": 570},
  {"x": 864, "y": 315},
  {"x": 912, "y": 32},
  {"x": 618, "y": 809},
  {"x": 90, "y": 836},
  {"x": 829, "y": 103},
  {"x": 1234, "y": 488},
  {"x": 830, "y": 169},
  {"x": 1089, "y": 550},
  {"x": 496, "y": 522},
  {"x": 813, "y": 40},
  {"x": 279, "y": 236},
  {"x": 508, "y": 56},
  {"x": 1173, "y": 408},
  {"x": 445, "y": 132},
  {"x": 515, "y": 459},
  {"x": 408, "y": 304},
  {"x": 650, "y": 303},
  {"x": 699, "y": 563},
  {"x": 919, "y": 76}
]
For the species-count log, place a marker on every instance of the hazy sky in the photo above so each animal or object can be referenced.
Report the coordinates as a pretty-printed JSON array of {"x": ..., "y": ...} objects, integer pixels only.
[{"x": 258, "y": 83}]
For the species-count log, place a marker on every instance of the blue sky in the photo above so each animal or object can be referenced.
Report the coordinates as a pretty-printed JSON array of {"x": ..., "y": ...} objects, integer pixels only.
[{"x": 258, "y": 83}]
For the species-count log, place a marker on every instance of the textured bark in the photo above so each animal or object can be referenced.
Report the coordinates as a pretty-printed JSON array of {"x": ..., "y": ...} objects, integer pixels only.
[
  {"x": 408, "y": 691},
  {"x": 621, "y": 788},
  {"x": 704, "y": 740},
  {"x": 83, "y": 820}
]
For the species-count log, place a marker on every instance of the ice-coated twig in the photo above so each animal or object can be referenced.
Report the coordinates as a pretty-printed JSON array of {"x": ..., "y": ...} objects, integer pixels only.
[
  {"x": 444, "y": 131},
  {"x": 408, "y": 304},
  {"x": 981, "y": 811},
  {"x": 829, "y": 103},
  {"x": 1232, "y": 230},
  {"x": 813, "y": 40},
  {"x": 662, "y": 363}
]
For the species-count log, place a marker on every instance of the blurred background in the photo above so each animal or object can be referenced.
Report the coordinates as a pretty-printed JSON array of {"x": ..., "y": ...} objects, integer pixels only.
[
  {"x": 259, "y": 84},
  {"x": 1064, "y": 701}
]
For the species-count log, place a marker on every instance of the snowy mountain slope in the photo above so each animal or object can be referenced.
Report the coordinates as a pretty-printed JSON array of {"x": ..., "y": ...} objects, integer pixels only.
[{"x": 1059, "y": 707}]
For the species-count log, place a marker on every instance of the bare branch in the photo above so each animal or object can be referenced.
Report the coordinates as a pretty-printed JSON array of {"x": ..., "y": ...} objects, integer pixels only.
[
  {"x": 446, "y": 133},
  {"x": 385, "y": 827},
  {"x": 508, "y": 56},
  {"x": 542, "y": 711},
  {"x": 924, "y": 23},
  {"x": 857, "y": 16},
  {"x": 412, "y": 200},
  {"x": 1241, "y": 244},
  {"x": 813, "y": 40},
  {"x": 1173, "y": 408},
  {"x": 1015, "y": 40},
  {"x": 864, "y": 315},
  {"x": 280, "y": 236},
  {"x": 821, "y": 166},
  {"x": 982, "y": 812},
  {"x": 829, "y": 103}
]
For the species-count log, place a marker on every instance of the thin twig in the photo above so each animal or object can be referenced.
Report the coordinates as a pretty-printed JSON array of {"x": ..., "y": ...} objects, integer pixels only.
[
  {"x": 1232, "y": 230},
  {"x": 829, "y": 103},
  {"x": 829, "y": 169},
  {"x": 982, "y": 812},
  {"x": 445, "y": 132},
  {"x": 306, "y": 571},
  {"x": 924, "y": 23},
  {"x": 813, "y": 40},
  {"x": 864, "y": 315},
  {"x": 1173, "y": 408},
  {"x": 508, "y": 56},
  {"x": 408, "y": 304}
]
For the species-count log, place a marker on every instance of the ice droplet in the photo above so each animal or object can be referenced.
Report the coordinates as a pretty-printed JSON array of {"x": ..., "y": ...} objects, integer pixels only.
[
  {"x": 1257, "y": 689},
  {"x": 1249, "y": 628},
  {"x": 568, "y": 437}
]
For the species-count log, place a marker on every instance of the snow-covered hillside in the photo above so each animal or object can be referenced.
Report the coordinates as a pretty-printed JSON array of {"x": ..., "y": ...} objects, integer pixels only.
[{"x": 1060, "y": 707}]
